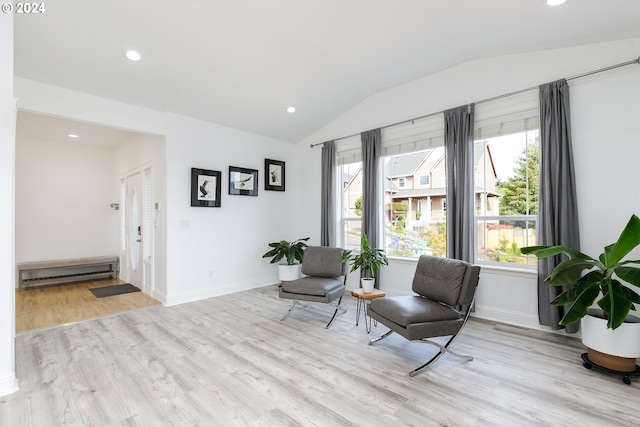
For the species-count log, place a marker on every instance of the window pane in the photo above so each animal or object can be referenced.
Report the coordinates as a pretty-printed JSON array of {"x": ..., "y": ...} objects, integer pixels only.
[
  {"x": 506, "y": 176},
  {"x": 352, "y": 234},
  {"x": 351, "y": 179},
  {"x": 415, "y": 189},
  {"x": 500, "y": 240}
]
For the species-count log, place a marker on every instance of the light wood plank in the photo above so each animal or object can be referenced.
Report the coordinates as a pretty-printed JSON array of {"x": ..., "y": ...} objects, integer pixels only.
[
  {"x": 230, "y": 361},
  {"x": 49, "y": 306}
]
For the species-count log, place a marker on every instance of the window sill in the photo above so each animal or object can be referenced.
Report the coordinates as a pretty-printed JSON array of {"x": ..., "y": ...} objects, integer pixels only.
[
  {"x": 509, "y": 270},
  {"x": 487, "y": 267}
]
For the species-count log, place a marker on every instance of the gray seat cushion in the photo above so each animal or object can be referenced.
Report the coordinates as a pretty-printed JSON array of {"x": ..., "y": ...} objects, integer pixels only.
[
  {"x": 317, "y": 286},
  {"x": 405, "y": 310}
]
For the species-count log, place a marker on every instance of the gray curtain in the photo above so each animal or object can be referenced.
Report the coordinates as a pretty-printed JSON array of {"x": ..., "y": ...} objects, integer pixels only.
[
  {"x": 328, "y": 194},
  {"x": 458, "y": 134},
  {"x": 558, "y": 210},
  {"x": 371, "y": 220}
]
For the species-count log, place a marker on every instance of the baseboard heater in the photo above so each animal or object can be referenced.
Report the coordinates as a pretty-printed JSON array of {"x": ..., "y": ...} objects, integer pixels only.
[{"x": 56, "y": 272}]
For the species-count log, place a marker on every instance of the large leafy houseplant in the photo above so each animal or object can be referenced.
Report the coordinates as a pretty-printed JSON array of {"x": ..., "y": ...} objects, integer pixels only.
[
  {"x": 589, "y": 278},
  {"x": 291, "y": 252},
  {"x": 369, "y": 259}
]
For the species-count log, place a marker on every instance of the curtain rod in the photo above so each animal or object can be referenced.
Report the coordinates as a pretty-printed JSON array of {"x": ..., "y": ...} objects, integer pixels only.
[{"x": 504, "y": 95}]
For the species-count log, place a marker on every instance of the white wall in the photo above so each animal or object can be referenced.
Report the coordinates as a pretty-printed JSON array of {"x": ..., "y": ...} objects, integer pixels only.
[
  {"x": 213, "y": 251},
  {"x": 605, "y": 112},
  {"x": 8, "y": 380},
  {"x": 63, "y": 193},
  {"x": 606, "y": 136},
  {"x": 60, "y": 102},
  {"x": 209, "y": 251}
]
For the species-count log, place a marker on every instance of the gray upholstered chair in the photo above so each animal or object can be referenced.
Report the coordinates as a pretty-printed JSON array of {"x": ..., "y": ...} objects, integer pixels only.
[
  {"x": 446, "y": 290},
  {"x": 322, "y": 283}
]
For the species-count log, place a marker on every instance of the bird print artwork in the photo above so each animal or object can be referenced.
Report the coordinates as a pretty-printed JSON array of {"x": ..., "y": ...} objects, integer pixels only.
[
  {"x": 206, "y": 187},
  {"x": 274, "y": 175},
  {"x": 243, "y": 181},
  {"x": 203, "y": 189}
]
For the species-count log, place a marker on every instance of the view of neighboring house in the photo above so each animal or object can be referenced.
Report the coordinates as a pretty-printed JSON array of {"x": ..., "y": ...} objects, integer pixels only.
[
  {"x": 415, "y": 197},
  {"x": 418, "y": 181}
]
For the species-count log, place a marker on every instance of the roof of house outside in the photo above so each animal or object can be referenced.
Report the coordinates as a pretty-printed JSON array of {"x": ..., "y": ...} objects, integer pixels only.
[
  {"x": 406, "y": 164},
  {"x": 422, "y": 192},
  {"x": 433, "y": 192},
  {"x": 390, "y": 187}
]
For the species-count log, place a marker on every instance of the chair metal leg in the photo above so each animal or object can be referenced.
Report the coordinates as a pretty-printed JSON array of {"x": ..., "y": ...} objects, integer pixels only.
[
  {"x": 443, "y": 349},
  {"x": 291, "y": 308},
  {"x": 338, "y": 308},
  {"x": 371, "y": 341}
]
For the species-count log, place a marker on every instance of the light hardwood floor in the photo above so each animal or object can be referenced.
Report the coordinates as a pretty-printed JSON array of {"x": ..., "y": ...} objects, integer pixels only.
[
  {"x": 45, "y": 307},
  {"x": 229, "y": 361}
]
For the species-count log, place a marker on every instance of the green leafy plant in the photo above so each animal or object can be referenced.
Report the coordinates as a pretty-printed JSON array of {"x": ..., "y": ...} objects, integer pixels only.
[
  {"x": 292, "y": 252},
  {"x": 588, "y": 277},
  {"x": 369, "y": 259}
]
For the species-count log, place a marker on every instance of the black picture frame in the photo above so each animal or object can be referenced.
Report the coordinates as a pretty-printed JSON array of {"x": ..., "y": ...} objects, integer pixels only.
[
  {"x": 206, "y": 188},
  {"x": 274, "y": 175},
  {"x": 243, "y": 181}
]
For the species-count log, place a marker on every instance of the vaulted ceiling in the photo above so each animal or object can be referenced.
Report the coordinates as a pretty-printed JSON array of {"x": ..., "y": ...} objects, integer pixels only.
[{"x": 241, "y": 63}]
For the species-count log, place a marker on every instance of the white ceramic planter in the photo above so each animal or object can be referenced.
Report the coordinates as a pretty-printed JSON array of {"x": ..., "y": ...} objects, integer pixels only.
[
  {"x": 367, "y": 284},
  {"x": 286, "y": 273},
  {"x": 623, "y": 341}
]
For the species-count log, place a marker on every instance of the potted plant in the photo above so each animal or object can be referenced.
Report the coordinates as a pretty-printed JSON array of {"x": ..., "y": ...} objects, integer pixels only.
[
  {"x": 604, "y": 330},
  {"x": 291, "y": 253},
  {"x": 368, "y": 260}
]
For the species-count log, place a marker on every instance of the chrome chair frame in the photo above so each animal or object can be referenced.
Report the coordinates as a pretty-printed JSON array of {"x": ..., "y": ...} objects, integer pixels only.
[
  {"x": 322, "y": 268},
  {"x": 445, "y": 291}
]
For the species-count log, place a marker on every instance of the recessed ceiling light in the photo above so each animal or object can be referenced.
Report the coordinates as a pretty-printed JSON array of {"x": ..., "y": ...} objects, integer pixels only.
[
  {"x": 555, "y": 2},
  {"x": 73, "y": 135},
  {"x": 291, "y": 110},
  {"x": 133, "y": 55}
]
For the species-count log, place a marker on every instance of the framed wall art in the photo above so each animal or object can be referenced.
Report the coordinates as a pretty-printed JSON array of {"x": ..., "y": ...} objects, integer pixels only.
[
  {"x": 273, "y": 175},
  {"x": 205, "y": 188},
  {"x": 243, "y": 182}
]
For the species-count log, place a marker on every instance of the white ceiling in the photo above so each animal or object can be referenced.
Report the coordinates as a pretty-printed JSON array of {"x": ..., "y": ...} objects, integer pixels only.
[
  {"x": 241, "y": 63},
  {"x": 37, "y": 126}
]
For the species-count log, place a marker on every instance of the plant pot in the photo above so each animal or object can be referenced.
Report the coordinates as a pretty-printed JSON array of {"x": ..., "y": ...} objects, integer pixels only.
[
  {"x": 367, "y": 284},
  {"x": 287, "y": 273},
  {"x": 615, "y": 349}
]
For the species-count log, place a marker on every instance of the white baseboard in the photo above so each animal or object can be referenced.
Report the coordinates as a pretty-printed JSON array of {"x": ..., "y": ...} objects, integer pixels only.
[
  {"x": 516, "y": 319},
  {"x": 210, "y": 292},
  {"x": 8, "y": 384},
  {"x": 159, "y": 296},
  {"x": 505, "y": 316}
]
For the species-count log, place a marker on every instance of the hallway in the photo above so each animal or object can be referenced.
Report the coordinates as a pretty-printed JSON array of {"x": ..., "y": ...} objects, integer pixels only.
[{"x": 46, "y": 307}]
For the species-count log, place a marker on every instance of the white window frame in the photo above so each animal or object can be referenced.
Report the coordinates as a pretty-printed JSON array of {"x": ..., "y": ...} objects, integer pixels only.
[
  {"x": 428, "y": 132},
  {"x": 522, "y": 122}
]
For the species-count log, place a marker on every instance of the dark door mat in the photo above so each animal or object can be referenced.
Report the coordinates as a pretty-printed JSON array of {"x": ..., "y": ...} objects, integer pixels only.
[{"x": 108, "y": 291}]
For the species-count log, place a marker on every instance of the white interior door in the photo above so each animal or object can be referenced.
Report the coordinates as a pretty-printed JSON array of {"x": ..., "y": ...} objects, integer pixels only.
[{"x": 133, "y": 230}]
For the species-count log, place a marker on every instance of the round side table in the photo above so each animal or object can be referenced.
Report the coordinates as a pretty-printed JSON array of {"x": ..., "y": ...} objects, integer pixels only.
[{"x": 363, "y": 298}]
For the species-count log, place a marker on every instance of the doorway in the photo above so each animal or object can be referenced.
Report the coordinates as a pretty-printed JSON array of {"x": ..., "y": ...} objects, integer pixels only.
[{"x": 137, "y": 231}]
